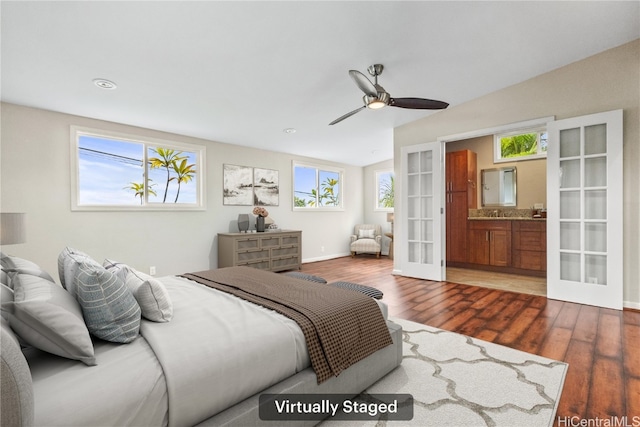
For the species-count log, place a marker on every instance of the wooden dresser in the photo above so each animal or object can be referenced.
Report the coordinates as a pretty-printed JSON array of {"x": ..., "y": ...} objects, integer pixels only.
[{"x": 271, "y": 250}]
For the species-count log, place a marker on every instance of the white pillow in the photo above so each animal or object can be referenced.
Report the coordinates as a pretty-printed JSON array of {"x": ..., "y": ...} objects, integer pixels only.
[
  {"x": 152, "y": 296},
  {"x": 47, "y": 317},
  {"x": 366, "y": 234}
]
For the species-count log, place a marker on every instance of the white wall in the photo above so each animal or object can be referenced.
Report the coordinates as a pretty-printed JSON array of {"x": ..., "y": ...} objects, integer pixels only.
[
  {"x": 603, "y": 82},
  {"x": 35, "y": 178}
]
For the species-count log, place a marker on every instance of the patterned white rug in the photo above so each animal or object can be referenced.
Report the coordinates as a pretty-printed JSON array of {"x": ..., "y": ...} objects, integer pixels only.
[{"x": 460, "y": 381}]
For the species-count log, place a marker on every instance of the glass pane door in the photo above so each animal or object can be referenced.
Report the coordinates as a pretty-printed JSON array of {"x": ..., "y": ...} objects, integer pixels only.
[
  {"x": 421, "y": 239},
  {"x": 585, "y": 210}
]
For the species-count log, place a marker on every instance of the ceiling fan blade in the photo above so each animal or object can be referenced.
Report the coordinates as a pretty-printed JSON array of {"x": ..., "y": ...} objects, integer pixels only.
[
  {"x": 346, "y": 116},
  {"x": 418, "y": 103},
  {"x": 363, "y": 83}
]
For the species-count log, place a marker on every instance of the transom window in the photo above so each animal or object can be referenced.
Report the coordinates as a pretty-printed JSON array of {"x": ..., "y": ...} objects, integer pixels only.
[
  {"x": 520, "y": 145},
  {"x": 316, "y": 187},
  {"x": 123, "y": 172}
]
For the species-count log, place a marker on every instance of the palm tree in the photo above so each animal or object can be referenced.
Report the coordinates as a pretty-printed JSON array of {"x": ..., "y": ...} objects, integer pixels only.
[
  {"x": 387, "y": 190},
  {"x": 184, "y": 174},
  {"x": 138, "y": 188},
  {"x": 167, "y": 158}
]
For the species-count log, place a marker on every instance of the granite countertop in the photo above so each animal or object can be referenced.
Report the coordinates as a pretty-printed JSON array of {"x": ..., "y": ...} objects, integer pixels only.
[{"x": 503, "y": 214}]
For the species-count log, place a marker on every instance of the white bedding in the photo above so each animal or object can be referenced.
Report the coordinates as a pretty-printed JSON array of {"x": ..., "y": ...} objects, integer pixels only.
[
  {"x": 215, "y": 352},
  {"x": 127, "y": 387},
  {"x": 218, "y": 350}
]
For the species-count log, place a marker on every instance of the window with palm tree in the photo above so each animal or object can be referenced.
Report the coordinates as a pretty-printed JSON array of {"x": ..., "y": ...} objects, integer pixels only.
[
  {"x": 315, "y": 188},
  {"x": 116, "y": 171},
  {"x": 520, "y": 146},
  {"x": 385, "y": 190}
]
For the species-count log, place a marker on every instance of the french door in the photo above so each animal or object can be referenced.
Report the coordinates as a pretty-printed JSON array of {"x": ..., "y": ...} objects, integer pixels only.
[
  {"x": 422, "y": 230},
  {"x": 584, "y": 200}
]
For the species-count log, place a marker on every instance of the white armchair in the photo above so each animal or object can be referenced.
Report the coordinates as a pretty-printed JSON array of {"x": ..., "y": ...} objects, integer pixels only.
[{"x": 366, "y": 238}]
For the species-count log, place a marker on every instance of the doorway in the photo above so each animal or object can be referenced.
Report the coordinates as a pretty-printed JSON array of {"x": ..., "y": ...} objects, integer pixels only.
[{"x": 531, "y": 186}]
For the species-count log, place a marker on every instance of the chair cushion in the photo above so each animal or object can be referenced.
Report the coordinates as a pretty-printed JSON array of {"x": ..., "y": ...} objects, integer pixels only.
[
  {"x": 367, "y": 290},
  {"x": 366, "y": 234}
]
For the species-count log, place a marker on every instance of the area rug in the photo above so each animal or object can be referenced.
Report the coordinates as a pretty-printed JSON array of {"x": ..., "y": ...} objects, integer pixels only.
[{"x": 460, "y": 381}]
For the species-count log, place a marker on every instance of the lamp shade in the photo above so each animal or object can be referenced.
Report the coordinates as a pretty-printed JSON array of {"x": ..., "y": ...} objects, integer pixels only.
[
  {"x": 12, "y": 228},
  {"x": 389, "y": 216}
]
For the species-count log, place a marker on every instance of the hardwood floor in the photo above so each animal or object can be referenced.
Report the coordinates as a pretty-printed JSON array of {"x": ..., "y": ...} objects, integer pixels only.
[{"x": 601, "y": 346}]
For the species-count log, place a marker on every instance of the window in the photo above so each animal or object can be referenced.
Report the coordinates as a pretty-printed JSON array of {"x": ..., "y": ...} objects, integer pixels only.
[
  {"x": 385, "y": 190},
  {"x": 316, "y": 187},
  {"x": 122, "y": 172},
  {"x": 515, "y": 146}
]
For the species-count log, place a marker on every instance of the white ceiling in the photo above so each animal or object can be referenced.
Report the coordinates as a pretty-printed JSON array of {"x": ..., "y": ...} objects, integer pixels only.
[{"x": 241, "y": 72}]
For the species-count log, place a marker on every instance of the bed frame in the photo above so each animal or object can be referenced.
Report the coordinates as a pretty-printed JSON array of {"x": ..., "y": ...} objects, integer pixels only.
[{"x": 17, "y": 388}]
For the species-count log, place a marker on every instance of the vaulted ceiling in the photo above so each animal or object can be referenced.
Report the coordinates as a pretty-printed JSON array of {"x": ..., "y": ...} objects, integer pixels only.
[{"x": 243, "y": 72}]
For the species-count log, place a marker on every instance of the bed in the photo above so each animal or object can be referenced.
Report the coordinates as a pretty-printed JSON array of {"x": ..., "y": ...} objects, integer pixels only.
[{"x": 207, "y": 364}]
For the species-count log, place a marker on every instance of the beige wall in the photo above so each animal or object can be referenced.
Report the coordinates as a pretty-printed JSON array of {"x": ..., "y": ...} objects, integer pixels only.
[
  {"x": 531, "y": 174},
  {"x": 603, "y": 82},
  {"x": 35, "y": 178}
]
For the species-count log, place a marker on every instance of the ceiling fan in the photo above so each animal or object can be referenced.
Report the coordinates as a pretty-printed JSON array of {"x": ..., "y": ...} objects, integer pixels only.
[{"x": 376, "y": 97}]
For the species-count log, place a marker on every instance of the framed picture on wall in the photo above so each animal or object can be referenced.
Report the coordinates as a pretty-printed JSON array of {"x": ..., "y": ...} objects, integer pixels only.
[
  {"x": 237, "y": 185},
  {"x": 266, "y": 187}
]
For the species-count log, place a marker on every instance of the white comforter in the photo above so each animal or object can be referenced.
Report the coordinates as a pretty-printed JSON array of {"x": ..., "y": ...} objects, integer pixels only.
[{"x": 218, "y": 350}]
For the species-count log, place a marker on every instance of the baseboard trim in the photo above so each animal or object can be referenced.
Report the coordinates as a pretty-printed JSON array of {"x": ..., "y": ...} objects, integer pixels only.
[{"x": 325, "y": 258}]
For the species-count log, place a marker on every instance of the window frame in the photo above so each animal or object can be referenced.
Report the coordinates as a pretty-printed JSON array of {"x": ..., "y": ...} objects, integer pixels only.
[
  {"x": 378, "y": 173},
  {"x": 497, "y": 148},
  {"x": 147, "y": 142},
  {"x": 318, "y": 168}
]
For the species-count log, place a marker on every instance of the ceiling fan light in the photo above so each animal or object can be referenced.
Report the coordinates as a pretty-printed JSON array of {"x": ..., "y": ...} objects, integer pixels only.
[{"x": 377, "y": 104}]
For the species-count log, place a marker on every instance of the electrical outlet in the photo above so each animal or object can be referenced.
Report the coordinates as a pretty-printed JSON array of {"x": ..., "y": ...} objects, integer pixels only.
[
  {"x": 321, "y": 248},
  {"x": 152, "y": 270}
]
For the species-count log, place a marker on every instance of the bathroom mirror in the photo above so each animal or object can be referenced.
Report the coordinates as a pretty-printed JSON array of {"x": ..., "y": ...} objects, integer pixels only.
[{"x": 499, "y": 187}]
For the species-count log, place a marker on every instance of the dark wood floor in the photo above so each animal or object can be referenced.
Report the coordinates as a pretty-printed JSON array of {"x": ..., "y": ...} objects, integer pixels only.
[{"x": 601, "y": 346}]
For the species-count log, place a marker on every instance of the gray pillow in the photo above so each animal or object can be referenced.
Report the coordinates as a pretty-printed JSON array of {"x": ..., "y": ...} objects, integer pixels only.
[
  {"x": 68, "y": 262},
  {"x": 151, "y": 294},
  {"x": 110, "y": 310},
  {"x": 45, "y": 316},
  {"x": 11, "y": 264}
]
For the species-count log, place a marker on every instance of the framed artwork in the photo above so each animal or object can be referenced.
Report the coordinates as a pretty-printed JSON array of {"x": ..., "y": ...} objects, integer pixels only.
[
  {"x": 237, "y": 185},
  {"x": 266, "y": 187}
]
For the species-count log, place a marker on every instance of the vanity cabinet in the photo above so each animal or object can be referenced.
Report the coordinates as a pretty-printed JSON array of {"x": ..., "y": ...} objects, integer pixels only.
[
  {"x": 273, "y": 251},
  {"x": 530, "y": 245},
  {"x": 490, "y": 243},
  {"x": 461, "y": 195}
]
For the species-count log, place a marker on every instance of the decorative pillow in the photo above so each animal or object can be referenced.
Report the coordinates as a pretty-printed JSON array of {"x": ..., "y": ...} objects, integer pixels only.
[
  {"x": 6, "y": 300},
  {"x": 11, "y": 264},
  {"x": 45, "y": 316},
  {"x": 366, "y": 234},
  {"x": 151, "y": 294},
  {"x": 110, "y": 310},
  {"x": 118, "y": 268},
  {"x": 68, "y": 262}
]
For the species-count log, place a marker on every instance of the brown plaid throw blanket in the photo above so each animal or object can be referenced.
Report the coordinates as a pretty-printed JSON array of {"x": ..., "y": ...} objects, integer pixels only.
[{"x": 340, "y": 327}]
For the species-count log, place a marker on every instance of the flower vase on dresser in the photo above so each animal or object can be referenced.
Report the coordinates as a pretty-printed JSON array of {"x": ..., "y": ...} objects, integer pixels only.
[
  {"x": 259, "y": 224},
  {"x": 262, "y": 214}
]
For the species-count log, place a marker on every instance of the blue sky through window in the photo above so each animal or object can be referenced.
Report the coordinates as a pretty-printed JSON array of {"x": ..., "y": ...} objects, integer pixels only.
[{"x": 109, "y": 169}]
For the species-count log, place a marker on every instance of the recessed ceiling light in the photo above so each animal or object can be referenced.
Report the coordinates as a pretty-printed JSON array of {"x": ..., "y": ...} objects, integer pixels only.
[
  {"x": 289, "y": 130},
  {"x": 104, "y": 84}
]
